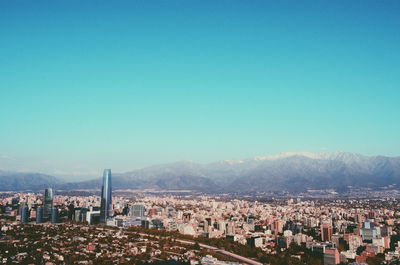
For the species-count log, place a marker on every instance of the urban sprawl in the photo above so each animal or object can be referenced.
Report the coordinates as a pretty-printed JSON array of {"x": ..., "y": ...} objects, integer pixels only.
[{"x": 51, "y": 228}]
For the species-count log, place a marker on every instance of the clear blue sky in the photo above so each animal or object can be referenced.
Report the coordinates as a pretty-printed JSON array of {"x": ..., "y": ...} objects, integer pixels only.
[{"x": 86, "y": 85}]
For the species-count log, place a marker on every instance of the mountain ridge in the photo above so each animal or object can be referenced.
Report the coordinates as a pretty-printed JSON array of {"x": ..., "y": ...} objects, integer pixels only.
[
  {"x": 291, "y": 171},
  {"x": 16, "y": 181}
]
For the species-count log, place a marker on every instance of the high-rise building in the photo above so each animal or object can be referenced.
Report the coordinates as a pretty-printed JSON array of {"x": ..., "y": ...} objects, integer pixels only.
[
  {"x": 54, "y": 215},
  {"x": 277, "y": 227},
  {"x": 15, "y": 201},
  {"x": 39, "y": 215},
  {"x": 24, "y": 213},
  {"x": 48, "y": 203},
  {"x": 369, "y": 231},
  {"x": 80, "y": 214},
  {"x": 71, "y": 211},
  {"x": 125, "y": 210},
  {"x": 331, "y": 256},
  {"x": 93, "y": 215},
  {"x": 137, "y": 210},
  {"x": 326, "y": 232},
  {"x": 230, "y": 228},
  {"x": 106, "y": 197}
]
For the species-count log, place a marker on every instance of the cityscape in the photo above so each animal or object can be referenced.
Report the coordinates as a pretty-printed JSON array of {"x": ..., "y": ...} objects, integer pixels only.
[
  {"x": 212, "y": 132},
  {"x": 195, "y": 229}
]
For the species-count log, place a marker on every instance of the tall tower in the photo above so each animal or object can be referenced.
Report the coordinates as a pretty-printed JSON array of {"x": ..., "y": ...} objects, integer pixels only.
[
  {"x": 106, "y": 197},
  {"x": 39, "y": 215},
  {"x": 54, "y": 215},
  {"x": 48, "y": 203},
  {"x": 326, "y": 232},
  {"x": 24, "y": 213}
]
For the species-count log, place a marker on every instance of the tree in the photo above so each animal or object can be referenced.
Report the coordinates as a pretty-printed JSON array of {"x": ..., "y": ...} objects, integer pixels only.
[
  {"x": 360, "y": 249},
  {"x": 196, "y": 246}
]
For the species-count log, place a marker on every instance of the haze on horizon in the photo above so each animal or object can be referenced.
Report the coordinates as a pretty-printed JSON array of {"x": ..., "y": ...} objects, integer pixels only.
[{"x": 92, "y": 85}]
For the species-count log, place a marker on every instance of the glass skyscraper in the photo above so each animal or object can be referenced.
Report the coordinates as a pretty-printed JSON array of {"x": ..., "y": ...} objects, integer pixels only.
[
  {"x": 54, "y": 215},
  {"x": 24, "y": 213},
  {"x": 39, "y": 215},
  {"x": 106, "y": 197},
  {"x": 48, "y": 203}
]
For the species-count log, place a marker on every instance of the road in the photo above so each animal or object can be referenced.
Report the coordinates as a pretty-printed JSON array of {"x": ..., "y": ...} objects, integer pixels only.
[
  {"x": 213, "y": 249},
  {"x": 223, "y": 252}
]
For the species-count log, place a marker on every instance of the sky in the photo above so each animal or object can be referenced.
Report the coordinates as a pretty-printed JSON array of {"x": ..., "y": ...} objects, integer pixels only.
[{"x": 87, "y": 85}]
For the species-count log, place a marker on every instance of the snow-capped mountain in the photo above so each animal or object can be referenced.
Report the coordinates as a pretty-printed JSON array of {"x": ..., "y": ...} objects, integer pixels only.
[{"x": 292, "y": 171}]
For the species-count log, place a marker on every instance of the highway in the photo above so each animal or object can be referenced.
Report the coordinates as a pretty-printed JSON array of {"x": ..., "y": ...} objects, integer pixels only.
[
  {"x": 242, "y": 259},
  {"x": 223, "y": 252}
]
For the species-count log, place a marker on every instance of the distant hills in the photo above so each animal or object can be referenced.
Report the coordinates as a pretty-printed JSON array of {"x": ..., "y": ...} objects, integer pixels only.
[
  {"x": 293, "y": 172},
  {"x": 17, "y": 181}
]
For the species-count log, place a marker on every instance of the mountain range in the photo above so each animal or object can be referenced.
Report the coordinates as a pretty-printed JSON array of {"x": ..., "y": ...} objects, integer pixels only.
[
  {"x": 293, "y": 172},
  {"x": 18, "y": 181}
]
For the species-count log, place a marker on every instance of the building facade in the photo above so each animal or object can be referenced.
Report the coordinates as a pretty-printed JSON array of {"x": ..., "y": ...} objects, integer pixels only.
[
  {"x": 39, "y": 215},
  {"x": 138, "y": 210},
  {"x": 48, "y": 203},
  {"x": 106, "y": 197}
]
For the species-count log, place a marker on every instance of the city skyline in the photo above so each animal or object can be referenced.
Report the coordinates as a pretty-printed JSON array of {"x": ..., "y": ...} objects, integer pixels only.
[
  {"x": 327, "y": 230},
  {"x": 201, "y": 81},
  {"x": 227, "y": 132}
]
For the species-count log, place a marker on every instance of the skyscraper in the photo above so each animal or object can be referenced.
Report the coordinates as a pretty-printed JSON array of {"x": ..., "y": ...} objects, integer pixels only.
[
  {"x": 71, "y": 211},
  {"x": 48, "y": 203},
  {"x": 24, "y": 213},
  {"x": 54, "y": 215},
  {"x": 326, "y": 232},
  {"x": 39, "y": 215},
  {"x": 106, "y": 197}
]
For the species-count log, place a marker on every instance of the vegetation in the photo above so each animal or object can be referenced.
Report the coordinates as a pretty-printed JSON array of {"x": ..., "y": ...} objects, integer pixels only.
[{"x": 288, "y": 257}]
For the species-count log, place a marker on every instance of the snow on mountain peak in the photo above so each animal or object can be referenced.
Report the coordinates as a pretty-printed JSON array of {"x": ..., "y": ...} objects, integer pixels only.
[
  {"x": 339, "y": 155},
  {"x": 287, "y": 154}
]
